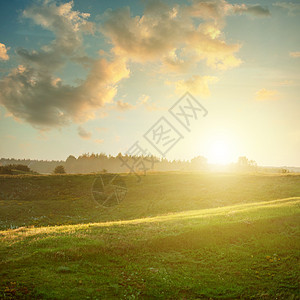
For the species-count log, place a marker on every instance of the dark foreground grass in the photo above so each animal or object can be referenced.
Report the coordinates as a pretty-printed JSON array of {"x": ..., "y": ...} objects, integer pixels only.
[{"x": 242, "y": 251}]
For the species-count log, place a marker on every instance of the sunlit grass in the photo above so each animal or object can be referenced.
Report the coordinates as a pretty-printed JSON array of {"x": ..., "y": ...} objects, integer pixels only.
[
  {"x": 227, "y": 237},
  {"x": 67, "y": 199},
  {"x": 227, "y": 211}
]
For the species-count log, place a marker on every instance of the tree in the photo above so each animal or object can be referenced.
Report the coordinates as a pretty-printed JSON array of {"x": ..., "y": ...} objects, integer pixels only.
[
  {"x": 14, "y": 169},
  {"x": 244, "y": 164},
  {"x": 5, "y": 170},
  {"x": 71, "y": 159},
  {"x": 198, "y": 162},
  {"x": 243, "y": 161},
  {"x": 59, "y": 170}
]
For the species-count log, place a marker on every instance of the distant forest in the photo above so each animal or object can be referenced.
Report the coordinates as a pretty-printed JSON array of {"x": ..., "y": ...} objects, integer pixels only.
[{"x": 94, "y": 163}]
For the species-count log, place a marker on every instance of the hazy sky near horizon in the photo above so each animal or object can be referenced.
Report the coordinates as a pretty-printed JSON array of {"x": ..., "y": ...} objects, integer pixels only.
[{"x": 94, "y": 76}]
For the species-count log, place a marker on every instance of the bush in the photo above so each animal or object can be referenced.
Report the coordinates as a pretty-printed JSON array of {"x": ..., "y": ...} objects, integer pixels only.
[
  {"x": 21, "y": 168},
  {"x": 59, "y": 170},
  {"x": 5, "y": 170},
  {"x": 10, "y": 168}
]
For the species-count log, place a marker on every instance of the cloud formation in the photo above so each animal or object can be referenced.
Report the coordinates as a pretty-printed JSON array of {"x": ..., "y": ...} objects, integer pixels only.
[
  {"x": 295, "y": 54},
  {"x": 255, "y": 10},
  {"x": 123, "y": 106},
  {"x": 286, "y": 83},
  {"x": 44, "y": 101},
  {"x": 218, "y": 9},
  {"x": 3, "y": 52},
  {"x": 148, "y": 104},
  {"x": 66, "y": 24},
  {"x": 176, "y": 36},
  {"x": 265, "y": 94},
  {"x": 196, "y": 85},
  {"x": 292, "y": 8},
  {"x": 83, "y": 133},
  {"x": 34, "y": 94},
  {"x": 99, "y": 141},
  {"x": 169, "y": 33}
]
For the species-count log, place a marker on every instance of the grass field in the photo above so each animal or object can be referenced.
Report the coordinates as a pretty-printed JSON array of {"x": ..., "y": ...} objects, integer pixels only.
[{"x": 175, "y": 236}]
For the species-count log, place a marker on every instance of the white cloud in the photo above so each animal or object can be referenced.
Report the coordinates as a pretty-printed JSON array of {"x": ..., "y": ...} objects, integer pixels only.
[
  {"x": 34, "y": 94},
  {"x": 295, "y": 54},
  {"x": 98, "y": 141},
  {"x": 286, "y": 83},
  {"x": 143, "y": 99},
  {"x": 166, "y": 34},
  {"x": 121, "y": 105},
  {"x": 3, "y": 52},
  {"x": 264, "y": 94},
  {"x": 196, "y": 85},
  {"x": 169, "y": 34}
]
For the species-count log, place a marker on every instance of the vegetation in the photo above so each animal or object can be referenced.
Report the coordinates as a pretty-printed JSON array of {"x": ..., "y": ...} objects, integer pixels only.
[
  {"x": 175, "y": 236},
  {"x": 92, "y": 163},
  {"x": 59, "y": 170},
  {"x": 40, "y": 166},
  {"x": 15, "y": 169},
  {"x": 43, "y": 200}
]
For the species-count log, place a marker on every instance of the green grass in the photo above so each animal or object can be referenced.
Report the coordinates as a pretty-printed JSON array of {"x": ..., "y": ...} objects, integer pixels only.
[
  {"x": 175, "y": 236},
  {"x": 66, "y": 199}
]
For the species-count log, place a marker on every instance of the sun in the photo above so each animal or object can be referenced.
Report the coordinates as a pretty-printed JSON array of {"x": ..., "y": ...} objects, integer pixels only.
[{"x": 220, "y": 152}]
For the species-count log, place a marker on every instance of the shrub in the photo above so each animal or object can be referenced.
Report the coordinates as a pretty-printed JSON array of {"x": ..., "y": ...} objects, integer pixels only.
[
  {"x": 5, "y": 170},
  {"x": 59, "y": 170},
  {"x": 8, "y": 169}
]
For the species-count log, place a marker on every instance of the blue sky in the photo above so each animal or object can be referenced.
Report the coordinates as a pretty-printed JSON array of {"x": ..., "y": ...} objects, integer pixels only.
[{"x": 94, "y": 76}]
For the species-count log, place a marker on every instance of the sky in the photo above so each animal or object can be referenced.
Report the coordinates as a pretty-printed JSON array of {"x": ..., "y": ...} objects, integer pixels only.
[{"x": 88, "y": 76}]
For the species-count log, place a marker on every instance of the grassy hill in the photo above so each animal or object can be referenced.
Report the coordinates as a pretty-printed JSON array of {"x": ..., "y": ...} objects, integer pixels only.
[
  {"x": 43, "y": 200},
  {"x": 175, "y": 236}
]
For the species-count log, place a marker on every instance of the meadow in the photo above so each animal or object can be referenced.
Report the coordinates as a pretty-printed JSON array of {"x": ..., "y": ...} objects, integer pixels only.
[{"x": 174, "y": 236}]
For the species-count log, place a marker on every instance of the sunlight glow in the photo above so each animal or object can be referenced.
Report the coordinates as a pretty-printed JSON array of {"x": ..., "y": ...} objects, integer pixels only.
[{"x": 219, "y": 152}]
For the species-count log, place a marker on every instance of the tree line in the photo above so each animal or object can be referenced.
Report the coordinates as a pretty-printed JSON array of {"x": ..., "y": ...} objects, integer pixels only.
[
  {"x": 94, "y": 163},
  {"x": 90, "y": 163}
]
